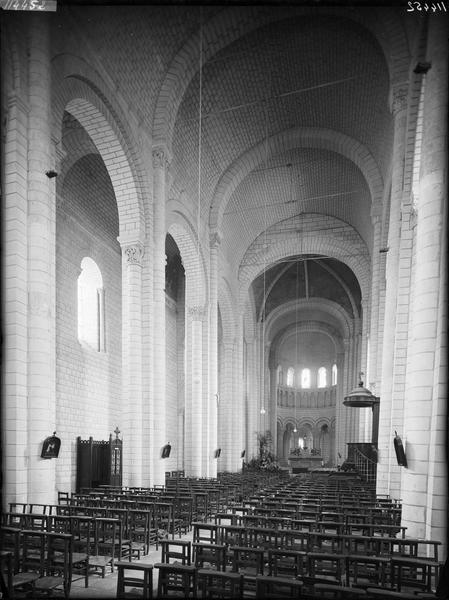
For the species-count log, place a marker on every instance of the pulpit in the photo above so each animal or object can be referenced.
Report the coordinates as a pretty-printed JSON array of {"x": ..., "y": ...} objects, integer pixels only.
[{"x": 99, "y": 462}]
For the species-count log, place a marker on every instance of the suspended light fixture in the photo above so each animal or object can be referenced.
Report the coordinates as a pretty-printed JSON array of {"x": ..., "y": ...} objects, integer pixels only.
[{"x": 361, "y": 397}]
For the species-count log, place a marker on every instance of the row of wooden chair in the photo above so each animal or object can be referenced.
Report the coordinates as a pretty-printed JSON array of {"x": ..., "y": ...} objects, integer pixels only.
[
  {"x": 45, "y": 565},
  {"x": 395, "y": 571},
  {"x": 189, "y": 581}
]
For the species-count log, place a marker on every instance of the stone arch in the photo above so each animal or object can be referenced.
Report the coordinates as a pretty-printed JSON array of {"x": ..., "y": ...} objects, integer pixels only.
[
  {"x": 192, "y": 259},
  {"x": 307, "y": 137},
  {"x": 327, "y": 306},
  {"x": 225, "y": 27},
  {"x": 342, "y": 243},
  {"x": 314, "y": 326},
  {"x": 83, "y": 99}
]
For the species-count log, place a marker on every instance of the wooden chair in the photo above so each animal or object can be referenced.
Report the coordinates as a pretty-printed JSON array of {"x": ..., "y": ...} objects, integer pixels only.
[
  {"x": 139, "y": 532},
  {"x": 82, "y": 530},
  {"x": 232, "y": 535},
  {"x": 134, "y": 575},
  {"x": 163, "y": 520},
  {"x": 57, "y": 571},
  {"x": 218, "y": 584},
  {"x": 366, "y": 571},
  {"x": 250, "y": 563},
  {"x": 416, "y": 573},
  {"x": 176, "y": 551},
  {"x": 209, "y": 556},
  {"x": 107, "y": 545},
  {"x": 277, "y": 587},
  {"x": 176, "y": 580},
  {"x": 286, "y": 563},
  {"x": 329, "y": 567},
  {"x": 206, "y": 533}
]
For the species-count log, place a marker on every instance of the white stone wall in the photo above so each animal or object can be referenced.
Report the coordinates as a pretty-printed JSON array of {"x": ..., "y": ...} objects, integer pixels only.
[{"x": 88, "y": 382}]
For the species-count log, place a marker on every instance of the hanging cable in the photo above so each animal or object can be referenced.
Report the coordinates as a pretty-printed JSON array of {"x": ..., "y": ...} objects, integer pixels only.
[
  {"x": 200, "y": 123},
  {"x": 262, "y": 410},
  {"x": 296, "y": 338}
]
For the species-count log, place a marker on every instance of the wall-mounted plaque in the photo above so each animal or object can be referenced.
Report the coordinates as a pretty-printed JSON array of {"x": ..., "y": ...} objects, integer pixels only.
[{"x": 50, "y": 447}]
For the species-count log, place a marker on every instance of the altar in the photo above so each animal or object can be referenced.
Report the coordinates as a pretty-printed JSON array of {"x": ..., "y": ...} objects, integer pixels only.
[{"x": 304, "y": 462}]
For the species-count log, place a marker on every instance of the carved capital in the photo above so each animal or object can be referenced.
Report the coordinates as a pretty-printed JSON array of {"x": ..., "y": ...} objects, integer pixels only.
[
  {"x": 197, "y": 313},
  {"x": 133, "y": 254},
  {"x": 160, "y": 158},
  {"x": 399, "y": 95},
  {"x": 215, "y": 239}
]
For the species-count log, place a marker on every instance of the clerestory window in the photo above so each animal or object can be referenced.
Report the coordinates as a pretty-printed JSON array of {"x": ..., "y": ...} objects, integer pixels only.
[{"x": 91, "y": 305}]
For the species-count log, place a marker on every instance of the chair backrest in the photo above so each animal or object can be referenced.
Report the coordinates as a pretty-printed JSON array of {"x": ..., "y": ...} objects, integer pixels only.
[
  {"x": 218, "y": 584},
  {"x": 33, "y": 555},
  {"x": 247, "y": 559},
  {"x": 20, "y": 507},
  {"x": 176, "y": 580},
  {"x": 286, "y": 563},
  {"x": 83, "y": 530},
  {"x": 209, "y": 556},
  {"x": 10, "y": 542}
]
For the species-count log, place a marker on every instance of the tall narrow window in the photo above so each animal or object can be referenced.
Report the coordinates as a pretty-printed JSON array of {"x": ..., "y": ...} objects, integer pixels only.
[
  {"x": 305, "y": 378},
  {"x": 290, "y": 376},
  {"x": 91, "y": 305},
  {"x": 322, "y": 377},
  {"x": 334, "y": 374}
]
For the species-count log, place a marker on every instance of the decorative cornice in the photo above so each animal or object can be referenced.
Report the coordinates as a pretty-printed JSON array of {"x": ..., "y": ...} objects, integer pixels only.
[{"x": 133, "y": 254}]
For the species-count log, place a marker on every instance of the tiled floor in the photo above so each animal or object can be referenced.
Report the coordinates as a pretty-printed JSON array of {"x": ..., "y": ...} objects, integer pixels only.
[{"x": 107, "y": 587}]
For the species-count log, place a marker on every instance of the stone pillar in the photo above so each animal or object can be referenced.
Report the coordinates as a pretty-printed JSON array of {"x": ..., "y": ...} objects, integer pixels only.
[
  {"x": 41, "y": 266},
  {"x": 157, "y": 409},
  {"x": 194, "y": 415},
  {"x": 253, "y": 400},
  {"x": 340, "y": 408},
  {"x": 215, "y": 240},
  {"x": 374, "y": 298},
  {"x": 266, "y": 387},
  {"x": 238, "y": 399},
  {"x": 424, "y": 482},
  {"x": 274, "y": 404},
  {"x": 225, "y": 416},
  {"x": 399, "y": 110},
  {"x": 15, "y": 303},
  {"x": 132, "y": 255}
]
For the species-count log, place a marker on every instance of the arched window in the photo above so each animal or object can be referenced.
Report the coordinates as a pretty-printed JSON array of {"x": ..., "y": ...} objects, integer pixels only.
[
  {"x": 322, "y": 377},
  {"x": 290, "y": 376},
  {"x": 334, "y": 374},
  {"x": 305, "y": 378},
  {"x": 91, "y": 305}
]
